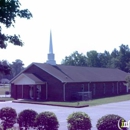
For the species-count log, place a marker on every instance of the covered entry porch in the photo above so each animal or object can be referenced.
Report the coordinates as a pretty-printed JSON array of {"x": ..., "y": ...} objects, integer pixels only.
[{"x": 28, "y": 86}]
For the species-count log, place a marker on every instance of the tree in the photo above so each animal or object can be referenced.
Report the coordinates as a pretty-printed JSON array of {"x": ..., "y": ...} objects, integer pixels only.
[
  {"x": 75, "y": 59},
  {"x": 110, "y": 122},
  {"x": 16, "y": 67},
  {"x": 124, "y": 57},
  {"x": 4, "y": 67},
  {"x": 104, "y": 59},
  {"x": 9, "y": 10},
  {"x": 79, "y": 121},
  {"x": 26, "y": 118},
  {"x": 47, "y": 121},
  {"x": 93, "y": 59},
  {"x": 8, "y": 117}
]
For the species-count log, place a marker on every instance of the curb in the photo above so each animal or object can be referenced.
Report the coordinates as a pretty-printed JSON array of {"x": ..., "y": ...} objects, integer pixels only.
[{"x": 15, "y": 101}]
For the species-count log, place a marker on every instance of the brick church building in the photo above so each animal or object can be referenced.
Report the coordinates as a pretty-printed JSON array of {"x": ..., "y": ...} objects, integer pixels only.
[{"x": 52, "y": 82}]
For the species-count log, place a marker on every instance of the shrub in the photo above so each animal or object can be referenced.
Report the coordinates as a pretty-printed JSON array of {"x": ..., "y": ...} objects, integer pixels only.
[
  {"x": 109, "y": 122},
  {"x": 79, "y": 121},
  {"x": 8, "y": 117},
  {"x": 7, "y": 92},
  {"x": 47, "y": 121},
  {"x": 26, "y": 118}
]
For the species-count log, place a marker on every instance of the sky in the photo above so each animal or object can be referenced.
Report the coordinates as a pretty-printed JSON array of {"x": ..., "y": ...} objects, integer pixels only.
[{"x": 76, "y": 25}]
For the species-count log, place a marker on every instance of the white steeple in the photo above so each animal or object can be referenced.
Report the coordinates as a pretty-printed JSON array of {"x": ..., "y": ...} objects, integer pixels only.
[{"x": 51, "y": 55}]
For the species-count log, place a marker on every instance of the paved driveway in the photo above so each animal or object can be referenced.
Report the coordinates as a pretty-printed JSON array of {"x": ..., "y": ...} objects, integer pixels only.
[{"x": 121, "y": 108}]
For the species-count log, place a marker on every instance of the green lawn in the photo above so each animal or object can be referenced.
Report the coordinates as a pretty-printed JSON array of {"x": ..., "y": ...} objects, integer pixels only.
[
  {"x": 83, "y": 103},
  {"x": 6, "y": 99},
  {"x": 3, "y": 89}
]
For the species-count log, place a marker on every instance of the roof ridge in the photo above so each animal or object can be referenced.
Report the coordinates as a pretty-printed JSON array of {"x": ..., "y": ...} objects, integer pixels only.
[{"x": 87, "y": 67}]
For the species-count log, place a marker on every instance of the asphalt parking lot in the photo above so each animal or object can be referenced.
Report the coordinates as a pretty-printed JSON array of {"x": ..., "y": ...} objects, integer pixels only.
[{"x": 95, "y": 112}]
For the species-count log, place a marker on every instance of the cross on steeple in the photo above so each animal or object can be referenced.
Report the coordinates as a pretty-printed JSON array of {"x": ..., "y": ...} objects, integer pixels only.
[{"x": 51, "y": 55}]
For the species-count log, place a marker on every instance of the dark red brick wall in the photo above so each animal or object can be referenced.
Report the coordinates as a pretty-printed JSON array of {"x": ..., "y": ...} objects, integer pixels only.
[
  {"x": 43, "y": 92},
  {"x": 55, "y": 89},
  {"x": 19, "y": 91},
  {"x": 26, "y": 92},
  {"x": 110, "y": 89}
]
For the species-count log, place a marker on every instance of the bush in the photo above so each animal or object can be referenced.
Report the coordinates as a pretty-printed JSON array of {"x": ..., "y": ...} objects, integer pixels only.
[
  {"x": 109, "y": 122},
  {"x": 8, "y": 117},
  {"x": 47, "y": 121},
  {"x": 7, "y": 92},
  {"x": 79, "y": 121},
  {"x": 26, "y": 118}
]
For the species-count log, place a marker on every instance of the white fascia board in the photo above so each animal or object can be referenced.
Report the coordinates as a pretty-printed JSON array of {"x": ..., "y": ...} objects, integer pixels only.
[{"x": 23, "y": 79}]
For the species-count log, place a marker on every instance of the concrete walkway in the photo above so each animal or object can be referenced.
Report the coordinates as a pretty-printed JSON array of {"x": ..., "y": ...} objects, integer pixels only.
[{"x": 95, "y": 112}]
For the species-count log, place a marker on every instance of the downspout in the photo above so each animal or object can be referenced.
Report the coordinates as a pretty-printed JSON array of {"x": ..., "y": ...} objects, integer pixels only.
[
  {"x": 46, "y": 91},
  {"x": 64, "y": 91},
  {"x": 22, "y": 91},
  {"x": 117, "y": 87},
  {"x": 89, "y": 86}
]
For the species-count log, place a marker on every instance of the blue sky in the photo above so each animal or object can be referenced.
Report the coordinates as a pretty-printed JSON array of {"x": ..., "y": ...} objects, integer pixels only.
[{"x": 76, "y": 25}]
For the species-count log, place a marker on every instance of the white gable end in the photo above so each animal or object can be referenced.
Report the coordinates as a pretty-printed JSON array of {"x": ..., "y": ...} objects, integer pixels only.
[{"x": 22, "y": 80}]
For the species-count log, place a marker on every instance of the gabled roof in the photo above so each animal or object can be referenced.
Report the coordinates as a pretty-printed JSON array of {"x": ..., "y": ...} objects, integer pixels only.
[
  {"x": 66, "y": 73},
  {"x": 27, "y": 78},
  {"x": 83, "y": 74}
]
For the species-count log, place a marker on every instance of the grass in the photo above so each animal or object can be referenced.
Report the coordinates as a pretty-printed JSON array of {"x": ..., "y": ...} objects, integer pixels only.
[
  {"x": 2, "y": 99},
  {"x": 3, "y": 89},
  {"x": 82, "y": 103},
  {"x": 109, "y": 100}
]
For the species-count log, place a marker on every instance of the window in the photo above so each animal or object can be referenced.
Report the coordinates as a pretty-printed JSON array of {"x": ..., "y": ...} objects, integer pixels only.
[
  {"x": 113, "y": 88},
  {"x": 104, "y": 88},
  {"x": 82, "y": 87},
  {"x": 94, "y": 89}
]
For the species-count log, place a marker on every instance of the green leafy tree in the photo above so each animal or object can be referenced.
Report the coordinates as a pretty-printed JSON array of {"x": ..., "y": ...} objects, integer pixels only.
[
  {"x": 16, "y": 67},
  {"x": 47, "y": 121},
  {"x": 109, "y": 122},
  {"x": 79, "y": 121},
  {"x": 4, "y": 68},
  {"x": 93, "y": 59},
  {"x": 75, "y": 59},
  {"x": 8, "y": 117},
  {"x": 104, "y": 59},
  {"x": 124, "y": 57},
  {"x": 26, "y": 118},
  {"x": 9, "y": 11}
]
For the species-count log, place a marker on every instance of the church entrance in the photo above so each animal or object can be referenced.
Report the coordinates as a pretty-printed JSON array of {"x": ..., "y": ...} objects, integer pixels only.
[{"x": 35, "y": 92}]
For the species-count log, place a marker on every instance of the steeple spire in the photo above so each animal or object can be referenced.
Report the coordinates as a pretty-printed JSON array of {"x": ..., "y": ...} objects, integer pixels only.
[
  {"x": 51, "y": 46},
  {"x": 51, "y": 55}
]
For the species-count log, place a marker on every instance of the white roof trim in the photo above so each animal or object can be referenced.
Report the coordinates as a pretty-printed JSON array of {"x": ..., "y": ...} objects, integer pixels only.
[{"x": 24, "y": 80}]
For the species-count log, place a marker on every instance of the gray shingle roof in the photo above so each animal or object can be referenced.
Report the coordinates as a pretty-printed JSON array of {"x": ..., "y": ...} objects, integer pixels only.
[{"x": 82, "y": 74}]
